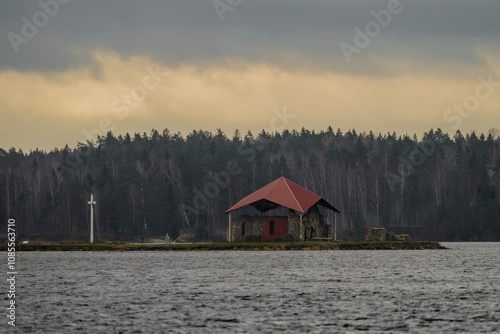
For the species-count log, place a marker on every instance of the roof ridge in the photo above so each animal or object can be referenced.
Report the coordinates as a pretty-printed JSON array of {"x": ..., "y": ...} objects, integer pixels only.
[
  {"x": 291, "y": 192},
  {"x": 270, "y": 188}
]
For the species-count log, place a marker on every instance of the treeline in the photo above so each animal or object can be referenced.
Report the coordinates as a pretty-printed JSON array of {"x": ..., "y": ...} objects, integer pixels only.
[{"x": 439, "y": 187}]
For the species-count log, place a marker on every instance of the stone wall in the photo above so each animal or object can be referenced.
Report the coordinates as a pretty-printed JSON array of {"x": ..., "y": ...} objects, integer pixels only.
[
  {"x": 294, "y": 225},
  {"x": 375, "y": 234},
  {"x": 381, "y": 234},
  {"x": 254, "y": 226},
  {"x": 313, "y": 221}
]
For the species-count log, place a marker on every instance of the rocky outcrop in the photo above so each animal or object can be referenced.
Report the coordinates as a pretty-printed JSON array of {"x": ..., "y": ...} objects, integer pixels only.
[{"x": 381, "y": 234}]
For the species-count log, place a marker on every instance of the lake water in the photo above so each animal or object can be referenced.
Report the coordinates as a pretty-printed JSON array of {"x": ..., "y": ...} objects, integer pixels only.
[{"x": 423, "y": 291}]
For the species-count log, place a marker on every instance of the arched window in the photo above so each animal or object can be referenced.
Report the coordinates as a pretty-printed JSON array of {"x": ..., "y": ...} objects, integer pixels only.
[
  {"x": 243, "y": 229},
  {"x": 271, "y": 227}
]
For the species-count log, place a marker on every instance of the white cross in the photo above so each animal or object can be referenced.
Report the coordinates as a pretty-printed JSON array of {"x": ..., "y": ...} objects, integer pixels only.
[{"x": 92, "y": 203}]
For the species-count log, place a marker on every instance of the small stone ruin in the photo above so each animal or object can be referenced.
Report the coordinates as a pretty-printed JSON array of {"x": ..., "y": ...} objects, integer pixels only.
[{"x": 381, "y": 234}]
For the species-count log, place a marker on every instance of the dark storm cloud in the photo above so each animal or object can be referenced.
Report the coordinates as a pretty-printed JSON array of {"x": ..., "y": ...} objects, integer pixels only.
[{"x": 286, "y": 33}]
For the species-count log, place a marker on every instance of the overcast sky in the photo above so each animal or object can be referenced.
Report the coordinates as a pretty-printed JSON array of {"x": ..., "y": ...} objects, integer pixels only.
[{"x": 70, "y": 71}]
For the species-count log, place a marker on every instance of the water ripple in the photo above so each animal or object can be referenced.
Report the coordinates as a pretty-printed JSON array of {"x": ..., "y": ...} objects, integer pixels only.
[{"x": 261, "y": 292}]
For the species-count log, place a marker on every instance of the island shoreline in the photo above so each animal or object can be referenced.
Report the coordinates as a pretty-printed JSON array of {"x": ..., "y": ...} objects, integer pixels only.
[{"x": 238, "y": 246}]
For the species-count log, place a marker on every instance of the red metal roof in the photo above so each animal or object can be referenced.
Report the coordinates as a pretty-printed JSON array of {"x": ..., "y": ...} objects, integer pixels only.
[{"x": 282, "y": 192}]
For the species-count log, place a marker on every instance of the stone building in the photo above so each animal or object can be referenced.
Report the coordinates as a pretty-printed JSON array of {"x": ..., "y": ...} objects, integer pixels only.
[{"x": 303, "y": 222}]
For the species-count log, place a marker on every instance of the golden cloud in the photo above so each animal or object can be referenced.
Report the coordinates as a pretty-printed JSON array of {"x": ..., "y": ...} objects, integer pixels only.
[{"x": 136, "y": 94}]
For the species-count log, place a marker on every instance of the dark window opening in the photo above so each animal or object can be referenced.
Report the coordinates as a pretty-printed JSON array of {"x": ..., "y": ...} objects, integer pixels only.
[
  {"x": 244, "y": 229},
  {"x": 271, "y": 227}
]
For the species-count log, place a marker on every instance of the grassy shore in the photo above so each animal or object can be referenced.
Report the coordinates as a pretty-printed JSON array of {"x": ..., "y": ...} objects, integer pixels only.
[{"x": 268, "y": 246}]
